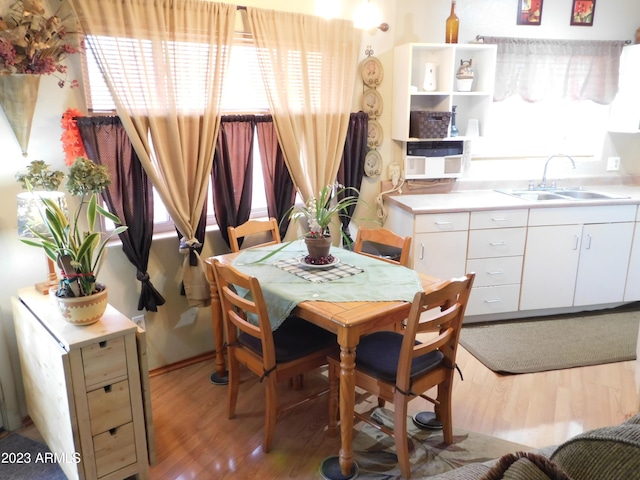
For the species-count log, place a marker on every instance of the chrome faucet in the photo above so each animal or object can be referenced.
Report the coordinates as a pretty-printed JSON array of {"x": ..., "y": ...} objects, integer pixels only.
[{"x": 543, "y": 182}]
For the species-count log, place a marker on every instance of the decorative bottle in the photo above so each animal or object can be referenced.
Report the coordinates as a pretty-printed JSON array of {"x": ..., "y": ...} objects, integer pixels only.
[
  {"x": 454, "y": 128},
  {"x": 452, "y": 25}
]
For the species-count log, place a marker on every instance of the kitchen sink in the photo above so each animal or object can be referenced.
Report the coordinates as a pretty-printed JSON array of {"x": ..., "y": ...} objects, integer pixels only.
[{"x": 559, "y": 194}]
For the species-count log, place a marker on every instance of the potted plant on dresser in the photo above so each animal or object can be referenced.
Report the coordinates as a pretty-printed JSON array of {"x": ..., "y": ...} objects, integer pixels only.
[{"x": 76, "y": 247}]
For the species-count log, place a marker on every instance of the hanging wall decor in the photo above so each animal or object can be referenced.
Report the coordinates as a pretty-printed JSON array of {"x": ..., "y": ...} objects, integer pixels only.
[
  {"x": 529, "y": 12},
  {"x": 582, "y": 12},
  {"x": 372, "y": 74}
]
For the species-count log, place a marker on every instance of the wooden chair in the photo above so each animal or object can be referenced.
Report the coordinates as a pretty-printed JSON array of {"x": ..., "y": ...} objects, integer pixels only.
[
  {"x": 294, "y": 348},
  {"x": 254, "y": 227},
  {"x": 376, "y": 241},
  {"x": 396, "y": 368}
]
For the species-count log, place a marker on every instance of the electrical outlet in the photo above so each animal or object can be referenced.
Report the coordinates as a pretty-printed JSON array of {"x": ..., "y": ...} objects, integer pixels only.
[
  {"x": 613, "y": 164},
  {"x": 139, "y": 320}
]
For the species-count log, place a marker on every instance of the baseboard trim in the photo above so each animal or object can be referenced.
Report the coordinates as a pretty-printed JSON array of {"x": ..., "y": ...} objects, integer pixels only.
[{"x": 182, "y": 363}]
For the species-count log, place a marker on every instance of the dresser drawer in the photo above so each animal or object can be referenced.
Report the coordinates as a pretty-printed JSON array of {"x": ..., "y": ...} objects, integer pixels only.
[
  {"x": 104, "y": 363},
  {"x": 484, "y": 300},
  {"x": 503, "y": 242},
  {"x": 498, "y": 219},
  {"x": 496, "y": 271},
  {"x": 109, "y": 407},
  {"x": 114, "y": 449},
  {"x": 441, "y": 222}
]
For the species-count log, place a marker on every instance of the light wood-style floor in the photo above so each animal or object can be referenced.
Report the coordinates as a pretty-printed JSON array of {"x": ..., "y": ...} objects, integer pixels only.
[{"x": 194, "y": 438}]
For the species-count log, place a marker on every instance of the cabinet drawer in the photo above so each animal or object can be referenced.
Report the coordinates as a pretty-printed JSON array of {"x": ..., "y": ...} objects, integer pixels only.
[
  {"x": 442, "y": 222},
  {"x": 484, "y": 300},
  {"x": 581, "y": 215},
  {"x": 496, "y": 271},
  {"x": 114, "y": 449},
  {"x": 503, "y": 242},
  {"x": 104, "y": 363},
  {"x": 499, "y": 219},
  {"x": 109, "y": 407}
]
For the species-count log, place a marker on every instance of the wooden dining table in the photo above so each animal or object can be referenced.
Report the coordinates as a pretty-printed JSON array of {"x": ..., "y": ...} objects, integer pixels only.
[{"x": 348, "y": 320}]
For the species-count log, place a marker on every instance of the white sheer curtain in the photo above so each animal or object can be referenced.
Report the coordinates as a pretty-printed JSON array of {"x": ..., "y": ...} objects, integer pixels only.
[
  {"x": 539, "y": 69},
  {"x": 309, "y": 68},
  {"x": 168, "y": 98}
]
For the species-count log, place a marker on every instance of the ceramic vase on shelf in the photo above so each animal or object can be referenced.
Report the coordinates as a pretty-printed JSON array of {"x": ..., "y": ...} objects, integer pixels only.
[
  {"x": 465, "y": 75},
  {"x": 318, "y": 248},
  {"x": 430, "y": 77}
]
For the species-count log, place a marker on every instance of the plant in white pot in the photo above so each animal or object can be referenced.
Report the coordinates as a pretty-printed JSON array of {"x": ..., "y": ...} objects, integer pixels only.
[{"x": 77, "y": 248}]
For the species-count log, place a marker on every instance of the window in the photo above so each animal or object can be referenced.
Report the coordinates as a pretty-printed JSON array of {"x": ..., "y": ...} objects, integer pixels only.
[
  {"x": 517, "y": 128},
  {"x": 243, "y": 92}
]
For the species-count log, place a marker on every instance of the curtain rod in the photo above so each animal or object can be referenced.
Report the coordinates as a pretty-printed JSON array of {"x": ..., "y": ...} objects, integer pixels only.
[{"x": 481, "y": 37}]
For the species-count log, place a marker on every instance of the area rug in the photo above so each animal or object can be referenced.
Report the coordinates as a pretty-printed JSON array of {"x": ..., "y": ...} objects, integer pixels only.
[
  {"x": 24, "y": 459},
  {"x": 554, "y": 343},
  {"x": 375, "y": 453}
]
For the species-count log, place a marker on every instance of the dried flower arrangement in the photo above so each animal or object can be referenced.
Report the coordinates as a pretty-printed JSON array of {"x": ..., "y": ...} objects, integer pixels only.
[{"x": 33, "y": 43}]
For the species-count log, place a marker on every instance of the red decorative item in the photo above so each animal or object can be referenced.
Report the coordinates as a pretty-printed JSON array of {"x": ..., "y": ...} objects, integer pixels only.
[{"x": 71, "y": 140}]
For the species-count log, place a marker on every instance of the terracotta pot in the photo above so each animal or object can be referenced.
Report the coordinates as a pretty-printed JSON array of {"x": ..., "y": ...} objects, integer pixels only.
[
  {"x": 318, "y": 247},
  {"x": 81, "y": 310}
]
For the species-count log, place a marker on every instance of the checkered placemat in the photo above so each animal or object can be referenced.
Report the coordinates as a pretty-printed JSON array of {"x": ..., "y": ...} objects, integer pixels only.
[{"x": 317, "y": 275}]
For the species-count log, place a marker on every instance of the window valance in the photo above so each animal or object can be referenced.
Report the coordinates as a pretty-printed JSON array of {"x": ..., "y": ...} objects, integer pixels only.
[{"x": 540, "y": 69}]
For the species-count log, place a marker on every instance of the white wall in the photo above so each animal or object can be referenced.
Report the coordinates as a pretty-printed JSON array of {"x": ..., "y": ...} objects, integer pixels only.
[{"x": 409, "y": 20}]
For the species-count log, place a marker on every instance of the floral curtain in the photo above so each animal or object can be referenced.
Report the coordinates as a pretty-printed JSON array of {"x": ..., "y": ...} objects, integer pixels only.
[
  {"x": 169, "y": 99},
  {"x": 538, "y": 69}
]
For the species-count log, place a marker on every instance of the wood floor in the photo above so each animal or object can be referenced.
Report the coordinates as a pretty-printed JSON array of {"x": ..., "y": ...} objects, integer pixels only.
[{"x": 195, "y": 440}]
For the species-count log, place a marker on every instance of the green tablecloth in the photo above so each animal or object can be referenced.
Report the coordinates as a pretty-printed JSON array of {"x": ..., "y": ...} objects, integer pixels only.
[{"x": 379, "y": 281}]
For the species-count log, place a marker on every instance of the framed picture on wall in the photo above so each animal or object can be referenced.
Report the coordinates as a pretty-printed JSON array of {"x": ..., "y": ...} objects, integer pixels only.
[
  {"x": 529, "y": 12},
  {"x": 582, "y": 12}
]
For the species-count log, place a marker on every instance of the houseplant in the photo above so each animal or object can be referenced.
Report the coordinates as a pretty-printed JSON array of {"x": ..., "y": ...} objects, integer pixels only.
[
  {"x": 76, "y": 248},
  {"x": 320, "y": 213}
]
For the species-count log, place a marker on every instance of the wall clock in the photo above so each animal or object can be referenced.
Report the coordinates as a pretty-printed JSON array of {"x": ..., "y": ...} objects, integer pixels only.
[
  {"x": 371, "y": 71},
  {"x": 372, "y": 103},
  {"x": 374, "y": 134},
  {"x": 372, "y": 164}
]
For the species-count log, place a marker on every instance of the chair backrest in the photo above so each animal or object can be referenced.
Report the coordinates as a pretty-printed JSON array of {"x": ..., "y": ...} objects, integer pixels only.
[
  {"x": 384, "y": 237},
  {"x": 253, "y": 227},
  {"x": 440, "y": 311},
  {"x": 236, "y": 307}
]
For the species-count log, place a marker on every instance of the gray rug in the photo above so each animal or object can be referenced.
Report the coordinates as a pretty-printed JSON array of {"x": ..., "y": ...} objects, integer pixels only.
[
  {"x": 24, "y": 459},
  {"x": 554, "y": 343}
]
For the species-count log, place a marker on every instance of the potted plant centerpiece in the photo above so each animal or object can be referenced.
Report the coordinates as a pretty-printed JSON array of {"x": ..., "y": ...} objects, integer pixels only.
[
  {"x": 320, "y": 212},
  {"x": 75, "y": 247}
]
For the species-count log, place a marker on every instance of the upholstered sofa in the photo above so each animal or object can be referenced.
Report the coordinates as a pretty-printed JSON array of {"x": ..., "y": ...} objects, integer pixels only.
[{"x": 609, "y": 453}]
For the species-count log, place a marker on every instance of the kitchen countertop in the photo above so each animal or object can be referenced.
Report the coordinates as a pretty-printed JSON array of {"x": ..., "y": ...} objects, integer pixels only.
[{"x": 477, "y": 200}]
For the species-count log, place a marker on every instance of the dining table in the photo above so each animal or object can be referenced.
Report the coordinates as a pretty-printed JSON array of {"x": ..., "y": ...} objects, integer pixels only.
[{"x": 353, "y": 296}]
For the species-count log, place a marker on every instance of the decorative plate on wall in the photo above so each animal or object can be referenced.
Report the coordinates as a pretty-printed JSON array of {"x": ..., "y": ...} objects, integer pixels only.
[
  {"x": 371, "y": 71},
  {"x": 374, "y": 134},
  {"x": 372, "y": 163},
  {"x": 372, "y": 103}
]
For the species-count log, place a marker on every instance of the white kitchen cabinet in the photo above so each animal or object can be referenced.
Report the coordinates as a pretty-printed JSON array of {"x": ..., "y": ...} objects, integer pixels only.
[
  {"x": 495, "y": 253},
  {"x": 632, "y": 289},
  {"x": 409, "y": 73},
  {"x": 576, "y": 256}
]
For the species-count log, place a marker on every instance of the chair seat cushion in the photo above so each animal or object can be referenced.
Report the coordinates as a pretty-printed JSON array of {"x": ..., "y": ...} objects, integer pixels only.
[
  {"x": 294, "y": 338},
  {"x": 378, "y": 354}
]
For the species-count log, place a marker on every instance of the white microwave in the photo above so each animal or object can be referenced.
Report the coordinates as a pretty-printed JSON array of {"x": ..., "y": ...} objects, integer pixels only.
[{"x": 433, "y": 159}]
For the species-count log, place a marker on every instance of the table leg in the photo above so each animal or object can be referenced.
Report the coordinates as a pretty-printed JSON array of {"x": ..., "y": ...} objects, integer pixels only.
[
  {"x": 220, "y": 375},
  {"x": 347, "y": 402}
]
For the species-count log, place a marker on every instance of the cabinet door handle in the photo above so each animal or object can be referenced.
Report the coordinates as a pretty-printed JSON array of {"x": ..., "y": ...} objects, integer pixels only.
[
  {"x": 497, "y": 244},
  {"x": 422, "y": 251},
  {"x": 495, "y": 272},
  {"x": 502, "y": 219},
  {"x": 441, "y": 223},
  {"x": 588, "y": 247},
  {"x": 495, "y": 300},
  {"x": 575, "y": 243}
]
